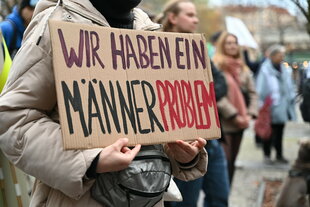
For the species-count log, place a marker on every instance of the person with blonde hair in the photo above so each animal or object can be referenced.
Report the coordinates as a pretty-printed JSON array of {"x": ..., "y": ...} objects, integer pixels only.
[
  {"x": 242, "y": 99},
  {"x": 175, "y": 18}
]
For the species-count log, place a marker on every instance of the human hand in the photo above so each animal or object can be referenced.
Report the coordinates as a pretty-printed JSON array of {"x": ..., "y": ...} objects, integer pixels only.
[
  {"x": 241, "y": 122},
  {"x": 185, "y": 152},
  {"x": 116, "y": 157},
  {"x": 248, "y": 118}
]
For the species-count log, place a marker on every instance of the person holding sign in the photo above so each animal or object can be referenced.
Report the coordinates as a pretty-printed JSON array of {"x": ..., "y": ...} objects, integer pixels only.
[
  {"x": 181, "y": 16},
  {"x": 30, "y": 133}
]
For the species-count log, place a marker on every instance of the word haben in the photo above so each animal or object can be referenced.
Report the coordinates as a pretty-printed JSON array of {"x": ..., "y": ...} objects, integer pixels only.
[
  {"x": 137, "y": 51},
  {"x": 146, "y": 55}
]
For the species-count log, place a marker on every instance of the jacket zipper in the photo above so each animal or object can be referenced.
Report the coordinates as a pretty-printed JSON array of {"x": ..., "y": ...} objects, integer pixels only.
[
  {"x": 128, "y": 197},
  {"x": 139, "y": 193}
]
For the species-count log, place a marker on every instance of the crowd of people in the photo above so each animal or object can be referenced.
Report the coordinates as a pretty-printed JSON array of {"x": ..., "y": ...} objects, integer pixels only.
[{"x": 30, "y": 135}]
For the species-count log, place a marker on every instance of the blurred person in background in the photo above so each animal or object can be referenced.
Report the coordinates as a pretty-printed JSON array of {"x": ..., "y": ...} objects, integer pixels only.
[
  {"x": 181, "y": 16},
  {"x": 295, "y": 189},
  {"x": 212, "y": 44},
  {"x": 254, "y": 67},
  {"x": 241, "y": 107},
  {"x": 275, "y": 80},
  {"x": 304, "y": 91},
  {"x": 14, "y": 25}
]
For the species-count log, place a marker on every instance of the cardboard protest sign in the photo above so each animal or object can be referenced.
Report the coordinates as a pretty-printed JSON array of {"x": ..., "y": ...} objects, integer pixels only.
[{"x": 151, "y": 87}]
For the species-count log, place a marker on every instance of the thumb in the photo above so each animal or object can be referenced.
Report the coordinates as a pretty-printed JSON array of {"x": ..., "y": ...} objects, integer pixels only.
[
  {"x": 200, "y": 143},
  {"x": 120, "y": 143},
  {"x": 132, "y": 153}
]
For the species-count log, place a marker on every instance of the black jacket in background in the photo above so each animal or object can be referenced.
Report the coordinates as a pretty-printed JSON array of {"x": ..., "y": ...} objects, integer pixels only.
[
  {"x": 254, "y": 66},
  {"x": 220, "y": 86}
]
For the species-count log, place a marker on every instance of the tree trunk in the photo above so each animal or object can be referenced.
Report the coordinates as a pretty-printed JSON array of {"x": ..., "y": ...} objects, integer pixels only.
[
  {"x": 308, "y": 18},
  {"x": 308, "y": 28}
]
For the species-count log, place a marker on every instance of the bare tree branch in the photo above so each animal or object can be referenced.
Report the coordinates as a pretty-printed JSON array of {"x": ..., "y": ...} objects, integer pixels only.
[
  {"x": 305, "y": 12},
  {"x": 302, "y": 9}
]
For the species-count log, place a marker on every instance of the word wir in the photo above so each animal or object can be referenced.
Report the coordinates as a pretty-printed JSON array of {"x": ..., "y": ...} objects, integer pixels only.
[{"x": 133, "y": 51}]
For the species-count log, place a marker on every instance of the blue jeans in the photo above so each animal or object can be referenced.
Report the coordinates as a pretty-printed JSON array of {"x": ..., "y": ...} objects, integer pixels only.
[{"x": 215, "y": 183}]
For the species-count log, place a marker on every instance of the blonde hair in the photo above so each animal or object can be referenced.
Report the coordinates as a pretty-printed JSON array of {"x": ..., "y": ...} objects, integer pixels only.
[
  {"x": 220, "y": 54},
  {"x": 171, "y": 6},
  {"x": 220, "y": 44}
]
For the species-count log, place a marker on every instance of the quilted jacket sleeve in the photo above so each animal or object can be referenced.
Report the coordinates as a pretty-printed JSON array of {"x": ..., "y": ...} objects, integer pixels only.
[
  {"x": 197, "y": 170},
  {"x": 28, "y": 136}
]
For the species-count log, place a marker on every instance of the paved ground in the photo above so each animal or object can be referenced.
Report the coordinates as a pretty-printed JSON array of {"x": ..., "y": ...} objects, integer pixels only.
[{"x": 251, "y": 171}]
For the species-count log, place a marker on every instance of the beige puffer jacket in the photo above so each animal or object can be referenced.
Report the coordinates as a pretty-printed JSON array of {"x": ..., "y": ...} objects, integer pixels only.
[{"x": 30, "y": 134}]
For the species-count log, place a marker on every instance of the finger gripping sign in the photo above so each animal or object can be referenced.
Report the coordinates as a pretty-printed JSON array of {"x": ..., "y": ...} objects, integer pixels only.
[{"x": 151, "y": 87}]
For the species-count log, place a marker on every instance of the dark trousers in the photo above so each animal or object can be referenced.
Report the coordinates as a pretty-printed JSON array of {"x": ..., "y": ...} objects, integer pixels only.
[
  {"x": 275, "y": 141},
  {"x": 258, "y": 140},
  {"x": 231, "y": 147}
]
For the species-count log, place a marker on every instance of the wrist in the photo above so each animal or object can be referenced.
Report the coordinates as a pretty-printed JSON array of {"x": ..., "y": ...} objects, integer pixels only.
[
  {"x": 91, "y": 172},
  {"x": 189, "y": 164}
]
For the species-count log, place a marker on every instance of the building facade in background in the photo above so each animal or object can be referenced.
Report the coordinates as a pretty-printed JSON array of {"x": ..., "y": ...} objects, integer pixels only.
[{"x": 270, "y": 25}]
